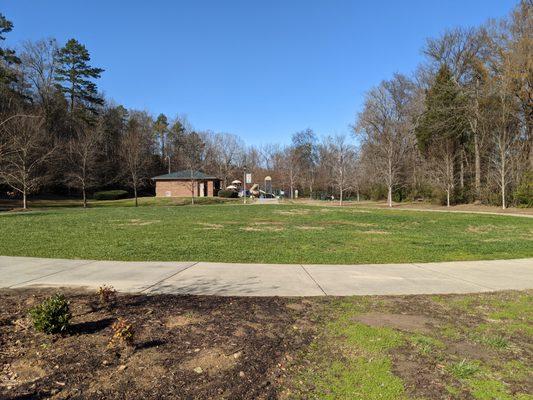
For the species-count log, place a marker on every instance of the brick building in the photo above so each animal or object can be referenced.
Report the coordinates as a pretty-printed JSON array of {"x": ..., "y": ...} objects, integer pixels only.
[{"x": 181, "y": 183}]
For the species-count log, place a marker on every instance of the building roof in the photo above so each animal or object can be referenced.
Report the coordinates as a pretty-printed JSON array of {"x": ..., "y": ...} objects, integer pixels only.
[{"x": 184, "y": 175}]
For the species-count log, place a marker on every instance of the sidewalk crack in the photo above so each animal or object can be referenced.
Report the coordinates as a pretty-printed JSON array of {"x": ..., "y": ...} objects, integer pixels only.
[{"x": 313, "y": 279}]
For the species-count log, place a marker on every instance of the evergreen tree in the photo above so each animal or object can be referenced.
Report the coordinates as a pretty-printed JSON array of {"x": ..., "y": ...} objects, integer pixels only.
[
  {"x": 74, "y": 77},
  {"x": 441, "y": 130},
  {"x": 160, "y": 131},
  {"x": 7, "y": 56}
]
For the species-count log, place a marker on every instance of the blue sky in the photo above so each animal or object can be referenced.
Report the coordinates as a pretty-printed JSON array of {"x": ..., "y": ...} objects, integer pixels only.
[{"x": 259, "y": 69}]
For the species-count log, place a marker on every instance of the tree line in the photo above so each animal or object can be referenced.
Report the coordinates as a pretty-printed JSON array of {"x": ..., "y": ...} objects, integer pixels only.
[{"x": 456, "y": 130}]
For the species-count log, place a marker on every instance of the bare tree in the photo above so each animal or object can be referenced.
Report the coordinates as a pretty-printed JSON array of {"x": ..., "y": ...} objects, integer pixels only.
[
  {"x": 82, "y": 152},
  {"x": 385, "y": 128},
  {"x": 135, "y": 150},
  {"x": 228, "y": 149},
  {"x": 290, "y": 169},
  {"x": 26, "y": 150},
  {"x": 340, "y": 158},
  {"x": 39, "y": 63}
]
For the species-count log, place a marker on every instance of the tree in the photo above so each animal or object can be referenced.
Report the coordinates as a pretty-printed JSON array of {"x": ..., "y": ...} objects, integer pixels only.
[
  {"x": 290, "y": 168},
  {"x": 306, "y": 153},
  {"x": 74, "y": 77},
  {"x": 340, "y": 158},
  {"x": 161, "y": 131},
  {"x": 39, "y": 61},
  {"x": 441, "y": 129},
  {"x": 7, "y": 56},
  {"x": 82, "y": 154},
  {"x": 385, "y": 127},
  {"x": 135, "y": 150},
  {"x": 228, "y": 150},
  {"x": 193, "y": 158},
  {"x": 26, "y": 151}
]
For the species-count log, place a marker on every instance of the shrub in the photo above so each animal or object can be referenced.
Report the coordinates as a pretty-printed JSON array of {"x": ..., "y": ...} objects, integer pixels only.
[
  {"x": 52, "y": 315},
  {"x": 123, "y": 333},
  {"x": 107, "y": 296},
  {"x": 524, "y": 192},
  {"x": 228, "y": 194},
  {"x": 111, "y": 195}
]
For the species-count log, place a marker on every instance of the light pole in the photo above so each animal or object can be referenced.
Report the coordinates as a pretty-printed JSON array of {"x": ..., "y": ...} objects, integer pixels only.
[{"x": 244, "y": 185}]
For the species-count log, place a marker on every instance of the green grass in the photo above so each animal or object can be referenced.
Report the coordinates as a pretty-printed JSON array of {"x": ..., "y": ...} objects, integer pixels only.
[
  {"x": 351, "y": 360},
  {"x": 231, "y": 232}
]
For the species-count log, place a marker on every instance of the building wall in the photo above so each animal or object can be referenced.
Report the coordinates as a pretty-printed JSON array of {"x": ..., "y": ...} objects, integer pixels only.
[
  {"x": 174, "y": 189},
  {"x": 182, "y": 188}
]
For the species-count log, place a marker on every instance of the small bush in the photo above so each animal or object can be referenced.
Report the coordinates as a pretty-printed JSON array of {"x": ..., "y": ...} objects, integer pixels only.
[
  {"x": 463, "y": 369},
  {"x": 524, "y": 192},
  {"x": 123, "y": 333},
  {"x": 107, "y": 296},
  {"x": 230, "y": 194},
  {"x": 52, "y": 315},
  {"x": 111, "y": 195}
]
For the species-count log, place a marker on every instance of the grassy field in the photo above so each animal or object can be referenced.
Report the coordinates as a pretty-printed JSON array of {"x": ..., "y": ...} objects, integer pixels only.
[
  {"x": 420, "y": 347},
  {"x": 290, "y": 233}
]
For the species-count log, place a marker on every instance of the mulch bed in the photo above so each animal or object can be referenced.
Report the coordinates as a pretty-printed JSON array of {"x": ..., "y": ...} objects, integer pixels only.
[{"x": 186, "y": 347}]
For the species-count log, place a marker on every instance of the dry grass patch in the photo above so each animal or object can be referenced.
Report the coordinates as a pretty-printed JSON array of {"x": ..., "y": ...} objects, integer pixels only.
[
  {"x": 310, "y": 228},
  {"x": 139, "y": 222},
  {"x": 209, "y": 226}
]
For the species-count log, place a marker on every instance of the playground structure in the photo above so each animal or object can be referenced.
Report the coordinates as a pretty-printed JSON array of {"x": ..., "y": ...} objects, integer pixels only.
[{"x": 255, "y": 191}]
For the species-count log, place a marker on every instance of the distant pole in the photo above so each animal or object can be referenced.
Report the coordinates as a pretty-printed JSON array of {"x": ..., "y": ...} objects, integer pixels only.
[{"x": 244, "y": 186}]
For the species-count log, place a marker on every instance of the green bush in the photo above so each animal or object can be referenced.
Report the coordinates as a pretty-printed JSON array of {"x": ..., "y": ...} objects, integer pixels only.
[
  {"x": 111, "y": 195},
  {"x": 52, "y": 315},
  {"x": 230, "y": 194},
  {"x": 523, "y": 195}
]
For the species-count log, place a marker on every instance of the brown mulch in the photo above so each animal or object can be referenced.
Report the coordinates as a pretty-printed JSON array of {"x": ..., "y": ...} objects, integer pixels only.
[{"x": 185, "y": 347}]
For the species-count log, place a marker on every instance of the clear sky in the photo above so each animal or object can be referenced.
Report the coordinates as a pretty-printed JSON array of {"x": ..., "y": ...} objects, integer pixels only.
[{"x": 259, "y": 69}]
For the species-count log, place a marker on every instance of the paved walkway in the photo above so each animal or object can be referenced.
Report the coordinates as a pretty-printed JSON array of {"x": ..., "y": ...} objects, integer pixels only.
[{"x": 269, "y": 279}]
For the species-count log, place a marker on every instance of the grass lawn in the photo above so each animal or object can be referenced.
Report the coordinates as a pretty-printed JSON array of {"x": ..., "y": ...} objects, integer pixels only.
[
  {"x": 207, "y": 347},
  {"x": 420, "y": 347},
  {"x": 290, "y": 233}
]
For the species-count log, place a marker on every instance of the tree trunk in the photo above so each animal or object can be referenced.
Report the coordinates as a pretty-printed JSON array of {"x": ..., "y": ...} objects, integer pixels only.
[
  {"x": 389, "y": 196},
  {"x": 340, "y": 197},
  {"x": 477, "y": 163},
  {"x": 358, "y": 195},
  {"x": 135, "y": 194},
  {"x": 502, "y": 184},
  {"x": 448, "y": 197},
  {"x": 24, "y": 202},
  {"x": 84, "y": 197},
  {"x": 192, "y": 192},
  {"x": 462, "y": 171}
]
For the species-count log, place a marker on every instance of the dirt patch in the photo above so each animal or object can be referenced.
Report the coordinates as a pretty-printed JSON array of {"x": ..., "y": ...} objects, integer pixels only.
[
  {"x": 376, "y": 232},
  {"x": 187, "y": 347},
  {"x": 422, "y": 377},
  {"x": 310, "y": 228},
  {"x": 208, "y": 226},
  {"x": 263, "y": 228},
  {"x": 409, "y": 323},
  {"x": 294, "y": 211},
  {"x": 480, "y": 228},
  {"x": 211, "y": 361},
  {"x": 139, "y": 222},
  {"x": 177, "y": 321}
]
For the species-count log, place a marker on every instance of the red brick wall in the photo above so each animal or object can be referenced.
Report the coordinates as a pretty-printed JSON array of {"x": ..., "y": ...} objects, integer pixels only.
[{"x": 176, "y": 189}]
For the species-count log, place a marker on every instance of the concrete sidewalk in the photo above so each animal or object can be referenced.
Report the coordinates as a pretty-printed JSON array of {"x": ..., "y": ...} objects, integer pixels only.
[{"x": 269, "y": 279}]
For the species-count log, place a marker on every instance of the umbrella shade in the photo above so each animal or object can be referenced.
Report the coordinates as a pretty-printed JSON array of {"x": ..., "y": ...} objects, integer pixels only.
[{"x": 236, "y": 182}]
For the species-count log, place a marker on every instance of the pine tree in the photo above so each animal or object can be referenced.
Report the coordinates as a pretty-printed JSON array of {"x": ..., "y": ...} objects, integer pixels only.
[
  {"x": 7, "y": 56},
  {"x": 74, "y": 77},
  {"x": 441, "y": 130}
]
